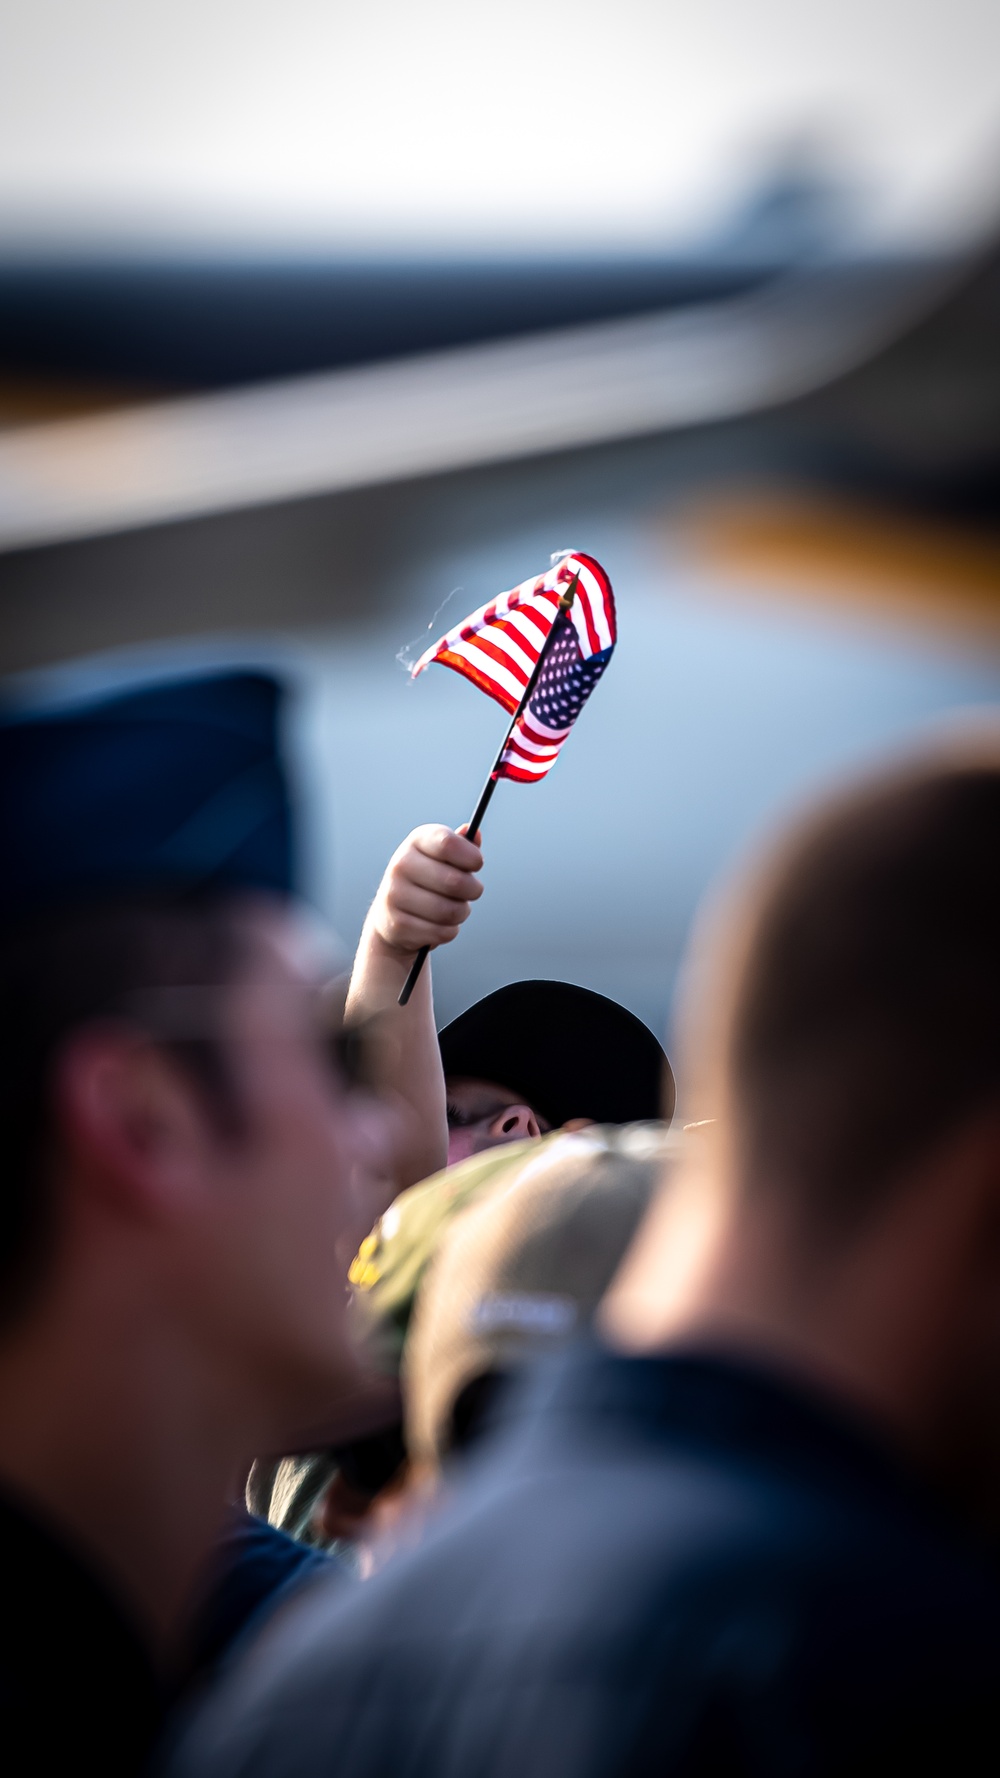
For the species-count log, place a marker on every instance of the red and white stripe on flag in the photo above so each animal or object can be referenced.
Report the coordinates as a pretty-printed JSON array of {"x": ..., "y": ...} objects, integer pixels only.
[{"x": 498, "y": 646}]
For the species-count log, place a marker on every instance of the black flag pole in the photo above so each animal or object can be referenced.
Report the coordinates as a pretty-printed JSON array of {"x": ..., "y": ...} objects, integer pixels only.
[{"x": 565, "y": 601}]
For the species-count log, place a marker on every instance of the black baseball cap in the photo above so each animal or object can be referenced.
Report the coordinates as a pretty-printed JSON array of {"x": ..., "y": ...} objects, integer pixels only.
[{"x": 567, "y": 1051}]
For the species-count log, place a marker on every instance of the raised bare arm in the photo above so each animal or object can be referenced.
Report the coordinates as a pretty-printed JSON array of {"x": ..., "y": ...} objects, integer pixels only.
[{"x": 430, "y": 882}]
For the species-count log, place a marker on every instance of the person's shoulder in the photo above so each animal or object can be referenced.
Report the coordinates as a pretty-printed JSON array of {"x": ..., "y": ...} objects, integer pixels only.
[
  {"x": 289, "y": 1694},
  {"x": 650, "y": 1622},
  {"x": 598, "y": 1563}
]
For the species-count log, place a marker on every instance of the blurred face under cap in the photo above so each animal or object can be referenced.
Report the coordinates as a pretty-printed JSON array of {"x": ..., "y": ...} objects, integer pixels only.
[
  {"x": 174, "y": 795},
  {"x": 548, "y": 1053},
  {"x": 175, "y": 786}
]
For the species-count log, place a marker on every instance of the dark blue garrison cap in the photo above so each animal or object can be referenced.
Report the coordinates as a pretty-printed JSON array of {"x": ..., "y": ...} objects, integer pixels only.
[{"x": 177, "y": 786}]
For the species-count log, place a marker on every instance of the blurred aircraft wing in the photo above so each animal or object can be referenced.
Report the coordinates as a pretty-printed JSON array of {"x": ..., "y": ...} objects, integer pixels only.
[{"x": 452, "y": 409}]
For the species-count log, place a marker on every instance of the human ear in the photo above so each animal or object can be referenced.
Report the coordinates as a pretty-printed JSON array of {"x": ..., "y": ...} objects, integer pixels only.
[{"x": 129, "y": 1124}]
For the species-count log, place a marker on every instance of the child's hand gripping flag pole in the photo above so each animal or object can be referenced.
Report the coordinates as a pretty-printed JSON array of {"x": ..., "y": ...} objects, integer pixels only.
[{"x": 539, "y": 651}]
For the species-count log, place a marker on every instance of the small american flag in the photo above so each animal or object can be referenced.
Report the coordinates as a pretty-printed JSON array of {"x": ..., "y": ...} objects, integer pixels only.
[{"x": 498, "y": 648}]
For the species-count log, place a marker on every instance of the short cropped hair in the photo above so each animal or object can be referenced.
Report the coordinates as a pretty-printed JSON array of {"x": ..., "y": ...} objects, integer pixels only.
[
  {"x": 864, "y": 1027},
  {"x": 58, "y": 973}
]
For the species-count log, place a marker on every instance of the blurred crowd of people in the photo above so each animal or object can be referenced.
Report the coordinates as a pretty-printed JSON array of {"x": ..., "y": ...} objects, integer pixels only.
[{"x": 377, "y": 1400}]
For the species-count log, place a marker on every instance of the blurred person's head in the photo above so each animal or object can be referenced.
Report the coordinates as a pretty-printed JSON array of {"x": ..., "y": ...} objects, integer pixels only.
[
  {"x": 519, "y": 1273},
  {"x": 476, "y": 1287},
  {"x": 184, "y": 1151},
  {"x": 846, "y": 1023},
  {"x": 536, "y": 1056},
  {"x": 567, "y": 1203},
  {"x": 174, "y": 1105}
]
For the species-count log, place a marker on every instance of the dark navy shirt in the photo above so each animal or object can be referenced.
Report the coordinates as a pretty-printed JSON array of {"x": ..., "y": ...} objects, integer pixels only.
[
  {"x": 677, "y": 1565},
  {"x": 254, "y": 1569},
  {"x": 78, "y": 1686}
]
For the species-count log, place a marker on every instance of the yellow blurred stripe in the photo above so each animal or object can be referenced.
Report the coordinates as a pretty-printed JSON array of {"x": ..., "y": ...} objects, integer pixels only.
[{"x": 862, "y": 554}]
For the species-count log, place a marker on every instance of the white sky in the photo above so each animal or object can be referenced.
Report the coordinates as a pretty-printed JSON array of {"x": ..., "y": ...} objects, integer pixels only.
[{"x": 437, "y": 120}]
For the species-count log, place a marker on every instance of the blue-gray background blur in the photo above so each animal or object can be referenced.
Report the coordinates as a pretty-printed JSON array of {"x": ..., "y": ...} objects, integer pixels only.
[{"x": 209, "y": 198}]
